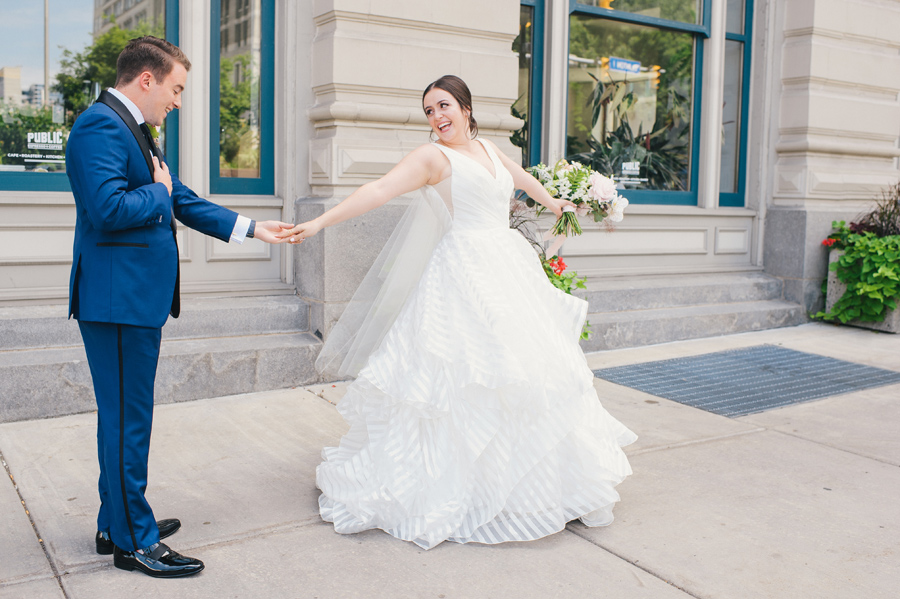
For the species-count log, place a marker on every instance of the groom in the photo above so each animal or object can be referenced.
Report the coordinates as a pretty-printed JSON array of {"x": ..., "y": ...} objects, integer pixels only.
[{"x": 125, "y": 282}]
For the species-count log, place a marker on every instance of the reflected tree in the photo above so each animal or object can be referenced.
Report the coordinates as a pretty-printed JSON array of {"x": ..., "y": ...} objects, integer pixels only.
[
  {"x": 238, "y": 138},
  {"x": 95, "y": 64}
]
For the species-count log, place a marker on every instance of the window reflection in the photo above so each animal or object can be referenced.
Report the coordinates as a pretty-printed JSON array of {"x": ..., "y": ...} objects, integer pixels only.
[
  {"x": 731, "y": 117},
  {"x": 523, "y": 46},
  {"x": 239, "y": 88},
  {"x": 85, "y": 38},
  {"x": 734, "y": 17},
  {"x": 685, "y": 11},
  {"x": 630, "y": 102}
]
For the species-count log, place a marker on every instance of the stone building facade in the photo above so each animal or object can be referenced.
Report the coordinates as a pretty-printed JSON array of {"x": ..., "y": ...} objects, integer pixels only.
[{"x": 818, "y": 105}]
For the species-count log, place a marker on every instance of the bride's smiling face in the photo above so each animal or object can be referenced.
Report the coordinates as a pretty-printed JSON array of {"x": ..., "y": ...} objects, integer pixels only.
[{"x": 446, "y": 117}]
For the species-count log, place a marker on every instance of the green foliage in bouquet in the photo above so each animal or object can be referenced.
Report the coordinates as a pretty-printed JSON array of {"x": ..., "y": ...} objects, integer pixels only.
[
  {"x": 555, "y": 268},
  {"x": 567, "y": 282},
  {"x": 870, "y": 267},
  {"x": 522, "y": 221},
  {"x": 590, "y": 191}
]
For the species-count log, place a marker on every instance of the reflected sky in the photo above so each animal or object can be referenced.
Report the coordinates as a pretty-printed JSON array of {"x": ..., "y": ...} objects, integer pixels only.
[{"x": 22, "y": 34}]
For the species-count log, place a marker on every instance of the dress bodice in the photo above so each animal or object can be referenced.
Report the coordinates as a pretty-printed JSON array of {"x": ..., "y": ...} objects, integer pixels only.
[{"x": 478, "y": 199}]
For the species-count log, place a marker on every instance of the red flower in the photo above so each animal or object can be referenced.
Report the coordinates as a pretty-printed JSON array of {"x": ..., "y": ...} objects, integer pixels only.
[
  {"x": 829, "y": 242},
  {"x": 557, "y": 265}
]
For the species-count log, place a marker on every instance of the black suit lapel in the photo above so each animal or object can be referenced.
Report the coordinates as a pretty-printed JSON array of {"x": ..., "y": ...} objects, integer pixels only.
[{"x": 124, "y": 114}]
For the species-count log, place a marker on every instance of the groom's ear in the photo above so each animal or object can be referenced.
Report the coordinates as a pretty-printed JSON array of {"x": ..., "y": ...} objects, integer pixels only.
[{"x": 146, "y": 79}]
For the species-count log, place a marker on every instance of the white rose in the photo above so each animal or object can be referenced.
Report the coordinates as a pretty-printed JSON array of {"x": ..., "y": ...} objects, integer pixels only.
[
  {"x": 603, "y": 189},
  {"x": 617, "y": 209}
]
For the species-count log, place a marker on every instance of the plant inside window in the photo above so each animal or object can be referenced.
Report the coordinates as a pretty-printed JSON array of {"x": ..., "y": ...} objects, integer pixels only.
[
  {"x": 662, "y": 152},
  {"x": 630, "y": 102}
]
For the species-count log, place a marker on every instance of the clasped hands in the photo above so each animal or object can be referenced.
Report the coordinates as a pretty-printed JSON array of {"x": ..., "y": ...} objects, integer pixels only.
[
  {"x": 274, "y": 231},
  {"x": 297, "y": 233}
]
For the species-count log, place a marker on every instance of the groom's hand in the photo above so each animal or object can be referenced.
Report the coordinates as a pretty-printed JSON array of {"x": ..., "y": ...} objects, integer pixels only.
[
  {"x": 161, "y": 174},
  {"x": 268, "y": 231}
]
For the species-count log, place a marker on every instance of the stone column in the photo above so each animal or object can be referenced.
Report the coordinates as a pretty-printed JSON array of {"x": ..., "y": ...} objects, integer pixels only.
[
  {"x": 371, "y": 61},
  {"x": 838, "y": 119}
]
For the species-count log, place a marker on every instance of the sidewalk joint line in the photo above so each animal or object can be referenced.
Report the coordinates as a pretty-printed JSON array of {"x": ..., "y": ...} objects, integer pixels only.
[
  {"x": 34, "y": 527},
  {"x": 697, "y": 441},
  {"x": 633, "y": 563},
  {"x": 830, "y": 446}
]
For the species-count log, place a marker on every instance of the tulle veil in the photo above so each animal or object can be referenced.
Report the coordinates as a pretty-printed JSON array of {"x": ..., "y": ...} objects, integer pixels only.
[{"x": 386, "y": 287}]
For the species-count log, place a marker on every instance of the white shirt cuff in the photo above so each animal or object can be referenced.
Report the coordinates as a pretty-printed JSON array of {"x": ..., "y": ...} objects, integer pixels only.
[{"x": 241, "y": 225}]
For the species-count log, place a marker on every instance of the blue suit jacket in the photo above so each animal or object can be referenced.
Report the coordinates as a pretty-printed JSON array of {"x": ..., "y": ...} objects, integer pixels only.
[{"x": 125, "y": 257}]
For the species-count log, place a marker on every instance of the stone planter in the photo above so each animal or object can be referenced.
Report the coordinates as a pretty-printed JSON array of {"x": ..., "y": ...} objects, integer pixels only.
[{"x": 836, "y": 289}]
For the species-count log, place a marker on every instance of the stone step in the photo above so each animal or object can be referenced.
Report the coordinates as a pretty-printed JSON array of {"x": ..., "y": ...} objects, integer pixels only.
[
  {"x": 633, "y": 328},
  {"x": 42, "y": 383},
  {"x": 646, "y": 293},
  {"x": 33, "y": 327}
]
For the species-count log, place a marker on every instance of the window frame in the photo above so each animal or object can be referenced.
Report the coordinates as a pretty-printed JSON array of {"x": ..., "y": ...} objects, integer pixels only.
[
  {"x": 700, "y": 33},
  {"x": 265, "y": 183},
  {"x": 737, "y": 199},
  {"x": 60, "y": 181},
  {"x": 536, "y": 91}
]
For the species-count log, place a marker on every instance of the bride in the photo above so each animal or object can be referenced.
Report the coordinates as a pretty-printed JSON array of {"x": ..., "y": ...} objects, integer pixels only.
[{"x": 473, "y": 416}]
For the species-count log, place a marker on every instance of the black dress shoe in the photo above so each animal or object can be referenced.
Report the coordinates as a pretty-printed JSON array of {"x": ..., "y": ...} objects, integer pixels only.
[
  {"x": 167, "y": 528},
  {"x": 158, "y": 561}
]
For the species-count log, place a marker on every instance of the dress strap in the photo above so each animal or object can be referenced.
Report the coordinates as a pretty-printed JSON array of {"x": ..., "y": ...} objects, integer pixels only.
[{"x": 447, "y": 151}]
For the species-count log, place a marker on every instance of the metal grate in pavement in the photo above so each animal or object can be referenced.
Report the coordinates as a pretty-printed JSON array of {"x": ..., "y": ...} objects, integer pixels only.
[{"x": 746, "y": 381}]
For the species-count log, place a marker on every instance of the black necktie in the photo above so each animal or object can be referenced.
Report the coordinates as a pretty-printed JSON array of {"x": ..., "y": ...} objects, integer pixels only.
[{"x": 176, "y": 298}]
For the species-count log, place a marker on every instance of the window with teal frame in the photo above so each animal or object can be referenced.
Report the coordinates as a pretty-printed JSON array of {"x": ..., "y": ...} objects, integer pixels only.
[
  {"x": 85, "y": 38},
  {"x": 529, "y": 46},
  {"x": 634, "y": 84},
  {"x": 242, "y": 69},
  {"x": 733, "y": 172}
]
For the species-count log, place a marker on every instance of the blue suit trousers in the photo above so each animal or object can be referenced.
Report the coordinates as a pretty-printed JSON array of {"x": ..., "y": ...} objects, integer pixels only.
[{"x": 123, "y": 360}]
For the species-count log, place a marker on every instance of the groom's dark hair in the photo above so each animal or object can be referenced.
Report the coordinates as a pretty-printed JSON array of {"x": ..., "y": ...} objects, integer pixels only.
[
  {"x": 457, "y": 88},
  {"x": 148, "y": 53}
]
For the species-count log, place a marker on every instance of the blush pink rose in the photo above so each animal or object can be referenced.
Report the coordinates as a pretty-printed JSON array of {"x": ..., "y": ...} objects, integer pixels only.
[{"x": 602, "y": 189}]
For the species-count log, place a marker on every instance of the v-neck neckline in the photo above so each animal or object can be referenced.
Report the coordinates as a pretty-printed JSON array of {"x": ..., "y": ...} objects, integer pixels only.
[{"x": 495, "y": 176}]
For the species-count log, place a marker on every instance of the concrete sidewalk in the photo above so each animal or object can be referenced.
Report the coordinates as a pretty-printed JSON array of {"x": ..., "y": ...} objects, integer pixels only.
[{"x": 796, "y": 502}]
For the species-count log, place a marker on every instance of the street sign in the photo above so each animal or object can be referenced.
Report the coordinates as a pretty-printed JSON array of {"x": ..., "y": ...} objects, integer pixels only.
[{"x": 626, "y": 66}]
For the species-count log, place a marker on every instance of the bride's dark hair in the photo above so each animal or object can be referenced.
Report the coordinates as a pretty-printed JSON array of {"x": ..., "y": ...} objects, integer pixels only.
[{"x": 457, "y": 88}]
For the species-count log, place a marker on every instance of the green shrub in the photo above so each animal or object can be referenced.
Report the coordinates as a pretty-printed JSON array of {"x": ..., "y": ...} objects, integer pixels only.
[{"x": 870, "y": 267}]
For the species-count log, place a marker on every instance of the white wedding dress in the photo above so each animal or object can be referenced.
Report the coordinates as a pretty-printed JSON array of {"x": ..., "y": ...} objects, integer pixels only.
[{"x": 476, "y": 419}]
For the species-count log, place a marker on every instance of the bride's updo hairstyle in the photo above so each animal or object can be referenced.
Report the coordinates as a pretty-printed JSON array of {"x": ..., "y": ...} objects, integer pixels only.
[{"x": 457, "y": 88}]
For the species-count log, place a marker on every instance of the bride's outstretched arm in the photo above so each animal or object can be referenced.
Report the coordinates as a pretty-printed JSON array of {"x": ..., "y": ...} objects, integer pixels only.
[
  {"x": 415, "y": 170},
  {"x": 527, "y": 183}
]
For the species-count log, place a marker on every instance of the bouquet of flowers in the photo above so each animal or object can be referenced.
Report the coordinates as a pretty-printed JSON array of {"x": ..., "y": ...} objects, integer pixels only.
[{"x": 591, "y": 192}]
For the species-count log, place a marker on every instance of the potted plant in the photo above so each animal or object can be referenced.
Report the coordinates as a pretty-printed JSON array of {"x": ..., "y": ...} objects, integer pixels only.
[{"x": 863, "y": 285}]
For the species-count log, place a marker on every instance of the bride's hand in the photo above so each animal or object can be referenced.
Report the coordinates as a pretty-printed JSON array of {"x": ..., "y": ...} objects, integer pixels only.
[
  {"x": 558, "y": 205},
  {"x": 300, "y": 232}
]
